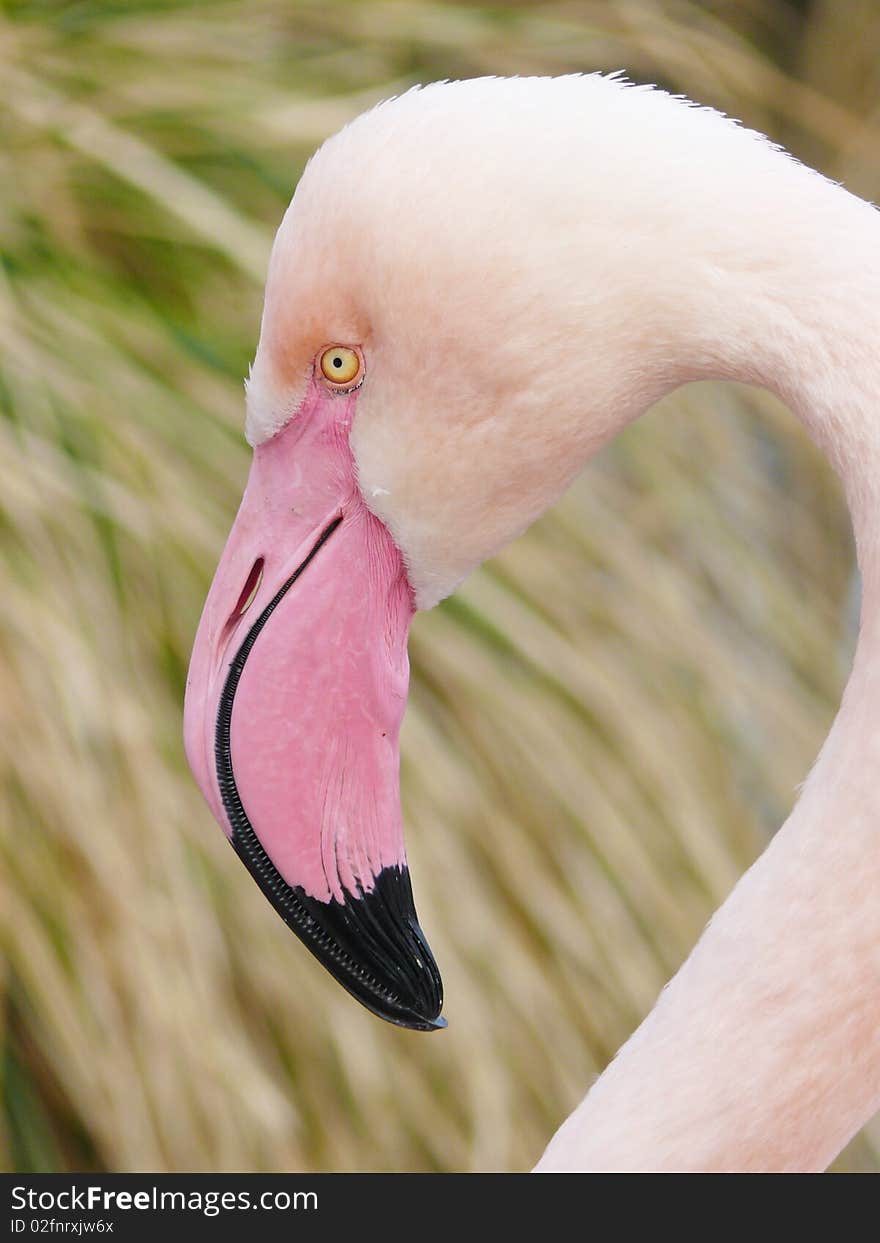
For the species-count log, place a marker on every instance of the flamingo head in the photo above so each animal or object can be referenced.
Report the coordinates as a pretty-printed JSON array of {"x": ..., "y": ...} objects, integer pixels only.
[{"x": 471, "y": 290}]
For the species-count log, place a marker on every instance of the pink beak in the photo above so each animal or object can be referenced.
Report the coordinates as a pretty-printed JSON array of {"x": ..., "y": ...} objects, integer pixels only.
[{"x": 295, "y": 697}]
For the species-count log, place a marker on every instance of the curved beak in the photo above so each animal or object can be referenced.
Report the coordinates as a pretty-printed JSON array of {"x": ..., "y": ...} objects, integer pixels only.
[{"x": 295, "y": 697}]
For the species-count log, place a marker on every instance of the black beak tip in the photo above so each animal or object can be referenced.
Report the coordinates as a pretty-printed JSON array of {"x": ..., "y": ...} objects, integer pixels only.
[
  {"x": 380, "y": 954},
  {"x": 370, "y": 942}
]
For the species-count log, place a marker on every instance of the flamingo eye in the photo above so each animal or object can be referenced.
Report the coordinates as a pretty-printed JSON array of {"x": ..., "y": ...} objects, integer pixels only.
[{"x": 341, "y": 365}]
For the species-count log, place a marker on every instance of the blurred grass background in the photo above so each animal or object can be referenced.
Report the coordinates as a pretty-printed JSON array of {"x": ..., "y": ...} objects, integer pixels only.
[{"x": 619, "y": 708}]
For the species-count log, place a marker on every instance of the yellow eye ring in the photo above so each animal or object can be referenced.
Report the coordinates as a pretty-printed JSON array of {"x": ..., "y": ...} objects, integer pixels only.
[{"x": 340, "y": 366}]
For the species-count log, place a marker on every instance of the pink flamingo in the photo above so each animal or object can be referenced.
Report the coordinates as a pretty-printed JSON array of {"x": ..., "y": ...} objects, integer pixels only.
[{"x": 475, "y": 286}]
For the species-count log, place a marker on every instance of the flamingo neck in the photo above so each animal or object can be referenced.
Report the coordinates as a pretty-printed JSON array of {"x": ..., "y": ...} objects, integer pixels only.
[{"x": 763, "y": 1053}]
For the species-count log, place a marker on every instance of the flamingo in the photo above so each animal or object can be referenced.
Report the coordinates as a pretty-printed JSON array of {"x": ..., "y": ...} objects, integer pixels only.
[{"x": 475, "y": 286}]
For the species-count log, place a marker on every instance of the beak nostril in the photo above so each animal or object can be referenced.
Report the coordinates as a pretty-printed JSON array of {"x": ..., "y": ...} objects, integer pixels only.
[
  {"x": 245, "y": 600},
  {"x": 250, "y": 589}
]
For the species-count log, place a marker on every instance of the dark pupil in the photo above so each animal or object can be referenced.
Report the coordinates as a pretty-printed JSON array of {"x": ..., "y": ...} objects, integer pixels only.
[{"x": 337, "y": 361}]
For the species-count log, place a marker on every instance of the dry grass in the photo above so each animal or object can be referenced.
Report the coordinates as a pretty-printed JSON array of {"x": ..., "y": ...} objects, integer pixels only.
[{"x": 619, "y": 708}]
